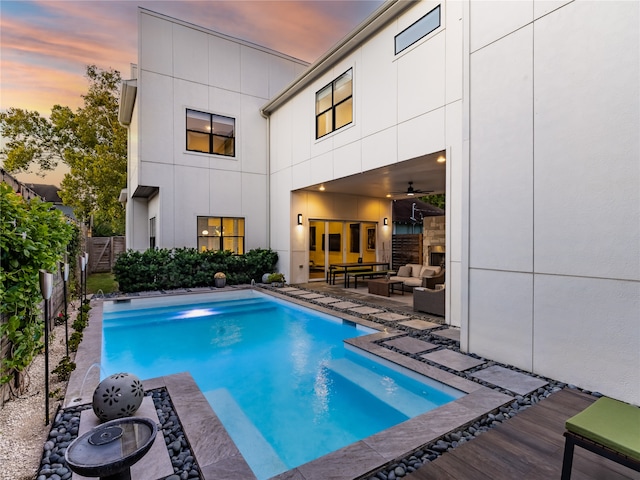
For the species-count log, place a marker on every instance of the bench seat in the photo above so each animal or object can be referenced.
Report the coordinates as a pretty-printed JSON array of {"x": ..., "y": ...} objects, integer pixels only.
[
  {"x": 365, "y": 274},
  {"x": 609, "y": 428}
]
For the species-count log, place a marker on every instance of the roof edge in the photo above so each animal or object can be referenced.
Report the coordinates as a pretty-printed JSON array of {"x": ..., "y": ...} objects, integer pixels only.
[{"x": 386, "y": 12}]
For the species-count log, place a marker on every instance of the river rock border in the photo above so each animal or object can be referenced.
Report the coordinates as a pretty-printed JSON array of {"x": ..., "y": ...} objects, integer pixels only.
[{"x": 65, "y": 429}]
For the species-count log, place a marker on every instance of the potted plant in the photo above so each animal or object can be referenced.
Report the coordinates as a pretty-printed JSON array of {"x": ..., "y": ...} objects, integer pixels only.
[
  {"x": 220, "y": 279},
  {"x": 276, "y": 279}
]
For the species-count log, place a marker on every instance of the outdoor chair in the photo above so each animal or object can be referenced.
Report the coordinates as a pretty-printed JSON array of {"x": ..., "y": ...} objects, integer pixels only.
[
  {"x": 429, "y": 301},
  {"x": 607, "y": 427}
]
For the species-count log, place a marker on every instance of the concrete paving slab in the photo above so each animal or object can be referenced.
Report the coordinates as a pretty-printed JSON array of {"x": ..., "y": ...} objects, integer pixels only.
[
  {"x": 365, "y": 310},
  {"x": 391, "y": 317},
  {"x": 410, "y": 344},
  {"x": 344, "y": 305},
  {"x": 511, "y": 380},
  {"x": 450, "y": 333},
  {"x": 451, "y": 359},
  {"x": 420, "y": 324},
  {"x": 311, "y": 296},
  {"x": 328, "y": 300}
]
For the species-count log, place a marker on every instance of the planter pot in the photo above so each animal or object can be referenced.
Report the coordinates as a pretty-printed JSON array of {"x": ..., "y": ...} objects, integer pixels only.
[
  {"x": 277, "y": 284},
  {"x": 220, "y": 282}
]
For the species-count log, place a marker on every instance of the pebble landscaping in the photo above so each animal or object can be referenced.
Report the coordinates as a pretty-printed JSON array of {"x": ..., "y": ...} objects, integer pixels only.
[{"x": 65, "y": 429}]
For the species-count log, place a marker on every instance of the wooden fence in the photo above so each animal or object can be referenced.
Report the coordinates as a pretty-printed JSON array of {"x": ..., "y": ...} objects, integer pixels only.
[
  {"x": 103, "y": 252},
  {"x": 406, "y": 248},
  {"x": 57, "y": 305}
]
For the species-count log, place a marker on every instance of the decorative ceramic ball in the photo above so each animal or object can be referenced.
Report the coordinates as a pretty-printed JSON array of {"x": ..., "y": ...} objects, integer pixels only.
[
  {"x": 117, "y": 396},
  {"x": 265, "y": 278}
]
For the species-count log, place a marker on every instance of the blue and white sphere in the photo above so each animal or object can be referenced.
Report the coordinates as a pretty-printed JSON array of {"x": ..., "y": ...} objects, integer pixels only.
[{"x": 117, "y": 396}]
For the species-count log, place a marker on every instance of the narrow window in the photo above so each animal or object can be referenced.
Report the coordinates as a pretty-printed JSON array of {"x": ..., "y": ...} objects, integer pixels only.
[
  {"x": 334, "y": 105},
  {"x": 152, "y": 232},
  {"x": 210, "y": 133},
  {"x": 221, "y": 233},
  {"x": 418, "y": 30}
]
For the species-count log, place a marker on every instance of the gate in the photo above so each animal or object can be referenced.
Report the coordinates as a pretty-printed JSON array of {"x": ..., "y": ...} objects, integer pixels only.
[{"x": 103, "y": 252}]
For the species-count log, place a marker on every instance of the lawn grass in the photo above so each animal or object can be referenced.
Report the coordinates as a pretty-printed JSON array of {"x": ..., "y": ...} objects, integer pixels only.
[{"x": 101, "y": 281}]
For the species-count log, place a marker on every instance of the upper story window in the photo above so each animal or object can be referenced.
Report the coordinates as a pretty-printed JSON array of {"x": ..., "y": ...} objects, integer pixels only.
[
  {"x": 334, "y": 105},
  {"x": 209, "y": 133},
  {"x": 418, "y": 30}
]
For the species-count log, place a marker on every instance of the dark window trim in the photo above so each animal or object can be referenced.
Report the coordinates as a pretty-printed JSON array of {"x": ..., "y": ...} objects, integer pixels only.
[
  {"x": 222, "y": 235},
  {"x": 211, "y": 135},
  {"x": 334, "y": 105},
  {"x": 395, "y": 39}
]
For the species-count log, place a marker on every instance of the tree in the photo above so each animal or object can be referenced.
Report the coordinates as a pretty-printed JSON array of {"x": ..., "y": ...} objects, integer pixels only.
[{"x": 90, "y": 141}]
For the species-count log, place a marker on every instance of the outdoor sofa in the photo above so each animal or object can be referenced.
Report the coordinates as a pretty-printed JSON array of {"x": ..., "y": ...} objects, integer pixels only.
[{"x": 415, "y": 275}]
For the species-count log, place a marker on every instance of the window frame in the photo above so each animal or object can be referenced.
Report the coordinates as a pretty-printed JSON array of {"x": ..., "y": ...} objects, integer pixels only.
[
  {"x": 211, "y": 135},
  {"x": 414, "y": 25},
  {"x": 152, "y": 232},
  {"x": 333, "y": 107},
  {"x": 241, "y": 244}
]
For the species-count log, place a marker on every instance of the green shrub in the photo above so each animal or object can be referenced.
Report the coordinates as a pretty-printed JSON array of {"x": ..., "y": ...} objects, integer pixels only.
[
  {"x": 64, "y": 369},
  {"x": 74, "y": 341},
  {"x": 163, "y": 269},
  {"x": 33, "y": 236}
]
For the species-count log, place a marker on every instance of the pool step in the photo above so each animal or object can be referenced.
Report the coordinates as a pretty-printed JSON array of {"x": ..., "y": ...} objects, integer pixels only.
[
  {"x": 185, "y": 313},
  {"x": 382, "y": 387},
  {"x": 259, "y": 453}
]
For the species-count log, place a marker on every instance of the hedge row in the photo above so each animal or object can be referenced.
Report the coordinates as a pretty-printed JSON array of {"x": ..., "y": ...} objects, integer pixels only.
[{"x": 164, "y": 269}]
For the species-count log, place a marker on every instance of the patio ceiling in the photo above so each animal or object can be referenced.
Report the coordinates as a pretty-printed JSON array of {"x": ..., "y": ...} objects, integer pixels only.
[{"x": 392, "y": 181}]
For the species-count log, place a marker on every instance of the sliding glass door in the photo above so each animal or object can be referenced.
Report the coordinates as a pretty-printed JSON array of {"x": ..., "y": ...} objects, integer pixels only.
[{"x": 333, "y": 242}]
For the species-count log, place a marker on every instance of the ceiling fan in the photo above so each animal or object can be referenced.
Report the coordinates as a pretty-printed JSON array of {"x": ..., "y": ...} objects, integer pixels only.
[{"x": 410, "y": 191}]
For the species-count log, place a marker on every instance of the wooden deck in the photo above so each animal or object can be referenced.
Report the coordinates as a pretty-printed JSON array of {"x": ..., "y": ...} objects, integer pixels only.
[{"x": 528, "y": 446}]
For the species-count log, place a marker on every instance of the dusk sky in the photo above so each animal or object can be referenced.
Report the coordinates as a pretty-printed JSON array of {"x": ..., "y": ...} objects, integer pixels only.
[{"x": 46, "y": 45}]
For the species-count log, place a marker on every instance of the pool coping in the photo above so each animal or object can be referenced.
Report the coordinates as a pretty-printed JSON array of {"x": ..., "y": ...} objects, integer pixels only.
[{"x": 218, "y": 456}]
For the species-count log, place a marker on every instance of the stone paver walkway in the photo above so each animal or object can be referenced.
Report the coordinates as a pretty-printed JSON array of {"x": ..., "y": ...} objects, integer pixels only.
[
  {"x": 454, "y": 360},
  {"x": 450, "y": 333},
  {"x": 511, "y": 380},
  {"x": 420, "y": 324},
  {"x": 410, "y": 344}
]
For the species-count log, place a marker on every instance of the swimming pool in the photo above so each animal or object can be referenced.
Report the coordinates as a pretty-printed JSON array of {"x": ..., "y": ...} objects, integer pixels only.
[{"x": 277, "y": 375}]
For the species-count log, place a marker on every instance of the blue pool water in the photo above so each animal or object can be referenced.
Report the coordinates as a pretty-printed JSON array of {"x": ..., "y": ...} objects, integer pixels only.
[{"x": 277, "y": 375}]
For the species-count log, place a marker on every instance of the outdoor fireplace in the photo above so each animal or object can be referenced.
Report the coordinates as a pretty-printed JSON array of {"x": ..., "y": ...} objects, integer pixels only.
[{"x": 436, "y": 255}]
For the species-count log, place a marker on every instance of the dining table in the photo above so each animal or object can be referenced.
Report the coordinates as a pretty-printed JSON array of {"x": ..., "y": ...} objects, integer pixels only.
[{"x": 344, "y": 268}]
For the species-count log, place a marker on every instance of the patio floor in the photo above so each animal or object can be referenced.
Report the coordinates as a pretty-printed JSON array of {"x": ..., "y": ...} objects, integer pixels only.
[{"x": 530, "y": 446}]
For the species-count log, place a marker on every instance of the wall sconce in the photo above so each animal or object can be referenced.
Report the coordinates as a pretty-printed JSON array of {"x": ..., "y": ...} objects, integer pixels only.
[
  {"x": 299, "y": 219},
  {"x": 385, "y": 222}
]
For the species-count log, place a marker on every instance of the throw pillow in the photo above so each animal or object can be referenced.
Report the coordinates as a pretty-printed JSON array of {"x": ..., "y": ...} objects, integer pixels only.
[{"x": 404, "y": 271}]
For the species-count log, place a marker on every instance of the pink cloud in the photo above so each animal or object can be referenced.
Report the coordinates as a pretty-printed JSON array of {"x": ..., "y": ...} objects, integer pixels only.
[{"x": 45, "y": 48}]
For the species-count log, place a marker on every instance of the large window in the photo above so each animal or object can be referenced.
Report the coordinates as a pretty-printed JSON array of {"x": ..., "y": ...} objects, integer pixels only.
[
  {"x": 221, "y": 233},
  {"x": 334, "y": 105},
  {"x": 209, "y": 133},
  {"x": 418, "y": 30}
]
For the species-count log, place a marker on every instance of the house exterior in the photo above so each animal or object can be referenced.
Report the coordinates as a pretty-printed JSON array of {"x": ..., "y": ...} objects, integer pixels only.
[{"x": 524, "y": 113}]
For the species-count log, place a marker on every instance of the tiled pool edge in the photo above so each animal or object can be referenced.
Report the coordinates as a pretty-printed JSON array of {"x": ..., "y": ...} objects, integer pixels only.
[{"x": 217, "y": 454}]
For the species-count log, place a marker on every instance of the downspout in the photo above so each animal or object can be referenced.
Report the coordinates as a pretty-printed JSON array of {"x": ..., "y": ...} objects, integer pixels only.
[{"x": 268, "y": 119}]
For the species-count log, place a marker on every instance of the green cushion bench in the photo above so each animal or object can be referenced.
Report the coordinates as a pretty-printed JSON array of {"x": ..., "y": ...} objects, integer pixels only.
[{"x": 607, "y": 427}]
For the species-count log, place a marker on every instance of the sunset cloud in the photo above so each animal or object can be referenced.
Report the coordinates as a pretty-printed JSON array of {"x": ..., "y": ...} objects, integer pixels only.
[{"x": 46, "y": 45}]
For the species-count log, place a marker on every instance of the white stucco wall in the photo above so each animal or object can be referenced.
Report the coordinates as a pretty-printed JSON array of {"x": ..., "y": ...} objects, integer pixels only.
[
  {"x": 405, "y": 106},
  {"x": 181, "y": 67},
  {"x": 554, "y": 230}
]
